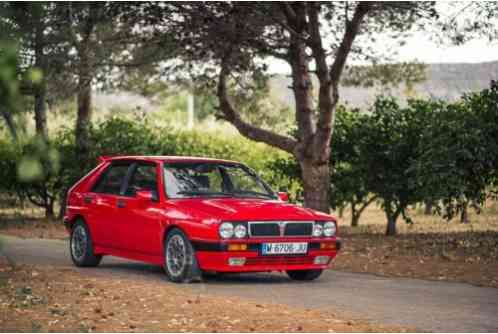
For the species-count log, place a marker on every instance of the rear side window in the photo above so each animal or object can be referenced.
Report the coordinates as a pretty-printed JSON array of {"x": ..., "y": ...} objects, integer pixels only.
[
  {"x": 111, "y": 180},
  {"x": 143, "y": 178}
]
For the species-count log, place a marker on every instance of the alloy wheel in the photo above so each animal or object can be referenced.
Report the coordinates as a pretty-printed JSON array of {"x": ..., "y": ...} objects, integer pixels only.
[
  {"x": 176, "y": 255},
  {"x": 79, "y": 242}
]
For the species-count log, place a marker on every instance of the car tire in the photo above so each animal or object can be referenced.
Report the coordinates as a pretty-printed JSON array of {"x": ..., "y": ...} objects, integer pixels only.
[
  {"x": 81, "y": 246},
  {"x": 180, "y": 262},
  {"x": 304, "y": 275}
]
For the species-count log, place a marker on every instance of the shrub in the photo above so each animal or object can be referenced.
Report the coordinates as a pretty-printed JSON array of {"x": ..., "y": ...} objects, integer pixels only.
[{"x": 43, "y": 172}]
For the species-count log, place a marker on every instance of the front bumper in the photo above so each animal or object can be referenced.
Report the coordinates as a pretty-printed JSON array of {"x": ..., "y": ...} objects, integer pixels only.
[{"x": 216, "y": 257}]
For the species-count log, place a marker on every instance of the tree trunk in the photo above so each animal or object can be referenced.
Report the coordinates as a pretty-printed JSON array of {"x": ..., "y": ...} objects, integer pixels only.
[
  {"x": 62, "y": 201},
  {"x": 355, "y": 219},
  {"x": 49, "y": 210},
  {"x": 354, "y": 216},
  {"x": 428, "y": 208},
  {"x": 9, "y": 120},
  {"x": 41, "y": 112},
  {"x": 316, "y": 182},
  {"x": 464, "y": 215},
  {"x": 391, "y": 226},
  {"x": 84, "y": 115},
  {"x": 392, "y": 215},
  {"x": 341, "y": 211},
  {"x": 40, "y": 87}
]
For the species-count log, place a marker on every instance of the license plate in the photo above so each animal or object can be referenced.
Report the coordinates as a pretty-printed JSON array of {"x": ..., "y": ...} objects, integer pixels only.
[{"x": 277, "y": 248}]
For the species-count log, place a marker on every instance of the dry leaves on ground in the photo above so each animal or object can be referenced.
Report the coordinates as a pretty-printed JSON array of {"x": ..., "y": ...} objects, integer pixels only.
[{"x": 44, "y": 299}]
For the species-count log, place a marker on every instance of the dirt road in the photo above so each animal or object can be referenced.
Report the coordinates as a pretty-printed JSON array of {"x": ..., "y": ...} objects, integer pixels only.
[{"x": 426, "y": 305}]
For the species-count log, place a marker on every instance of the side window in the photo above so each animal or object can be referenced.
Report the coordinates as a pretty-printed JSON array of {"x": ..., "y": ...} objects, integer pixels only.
[
  {"x": 143, "y": 178},
  {"x": 111, "y": 180}
]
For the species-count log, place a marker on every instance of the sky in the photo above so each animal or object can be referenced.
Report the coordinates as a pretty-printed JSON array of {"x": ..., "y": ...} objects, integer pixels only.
[{"x": 422, "y": 47}]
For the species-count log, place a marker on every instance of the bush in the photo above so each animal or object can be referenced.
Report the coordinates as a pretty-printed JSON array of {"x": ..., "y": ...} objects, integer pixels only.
[{"x": 43, "y": 172}]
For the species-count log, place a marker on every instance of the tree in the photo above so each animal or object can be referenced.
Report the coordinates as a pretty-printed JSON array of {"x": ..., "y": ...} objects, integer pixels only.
[
  {"x": 85, "y": 24},
  {"x": 348, "y": 170},
  {"x": 9, "y": 86},
  {"x": 40, "y": 51},
  {"x": 458, "y": 163},
  {"x": 388, "y": 150},
  {"x": 312, "y": 38}
]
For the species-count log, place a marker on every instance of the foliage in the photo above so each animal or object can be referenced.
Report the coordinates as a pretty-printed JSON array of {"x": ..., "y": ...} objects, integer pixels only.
[
  {"x": 385, "y": 75},
  {"x": 388, "y": 149},
  {"x": 299, "y": 34},
  {"x": 9, "y": 85},
  {"x": 459, "y": 149},
  {"x": 348, "y": 171},
  {"x": 470, "y": 21},
  {"x": 43, "y": 172},
  {"x": 426, "y": 151}
]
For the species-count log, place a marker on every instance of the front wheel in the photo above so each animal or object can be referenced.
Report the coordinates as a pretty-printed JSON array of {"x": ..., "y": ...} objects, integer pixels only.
[
  {"x": 304, "y": 275},
  {"x": 180, "y": 263},
  {"x": 81, "y": 246}
]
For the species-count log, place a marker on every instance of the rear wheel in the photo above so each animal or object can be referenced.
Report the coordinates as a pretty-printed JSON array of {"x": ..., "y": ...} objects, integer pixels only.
[
  {"x": 81, "y": 246},
  {"x": 180, "y": 263},
  {"x": 304, "y": 275}
]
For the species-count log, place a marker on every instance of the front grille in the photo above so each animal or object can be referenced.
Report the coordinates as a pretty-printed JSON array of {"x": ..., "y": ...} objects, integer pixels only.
[
  {"x": 298, "y": 229},
  {"x": 265, "y": 230},
  {"x": 280, "y": 229},
  {"x": 254, "y": 261}
]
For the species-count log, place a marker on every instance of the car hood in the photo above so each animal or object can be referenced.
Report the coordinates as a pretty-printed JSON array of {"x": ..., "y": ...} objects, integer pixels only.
[{"x": 250, "y": 209}]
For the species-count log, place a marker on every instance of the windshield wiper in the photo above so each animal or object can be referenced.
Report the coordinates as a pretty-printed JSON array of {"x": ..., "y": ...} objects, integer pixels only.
[
  {"x": 252, "y": 193},
  {"x": 203, "y": 193}
]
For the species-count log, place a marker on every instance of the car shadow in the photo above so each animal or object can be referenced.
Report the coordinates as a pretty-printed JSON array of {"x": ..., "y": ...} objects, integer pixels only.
[{"x": 124, "y": 268}]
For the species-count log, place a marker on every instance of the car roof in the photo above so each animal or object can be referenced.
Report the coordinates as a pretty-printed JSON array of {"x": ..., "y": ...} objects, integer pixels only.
[{"x": 164, "y": 158}]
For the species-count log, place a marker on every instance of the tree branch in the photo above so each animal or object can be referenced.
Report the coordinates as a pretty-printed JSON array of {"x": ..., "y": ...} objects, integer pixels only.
[
  {"x": 367, "y": 203},
  {"x": 229, "y": 114},
  {"x": 352, "y": 28},
  {"x": 316, "y": 42},
  {"x": 9, "y": 120},
  {"x": 289, "y": 12},
  {"x": 329, "y": 95}
]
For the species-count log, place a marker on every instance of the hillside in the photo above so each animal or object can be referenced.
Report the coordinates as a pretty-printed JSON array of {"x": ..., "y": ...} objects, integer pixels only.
[{"x": 444, "y": 81}]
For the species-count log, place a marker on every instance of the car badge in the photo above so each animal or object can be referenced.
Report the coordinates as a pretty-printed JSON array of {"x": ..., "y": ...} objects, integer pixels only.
[{"x": 281, "y": 226}]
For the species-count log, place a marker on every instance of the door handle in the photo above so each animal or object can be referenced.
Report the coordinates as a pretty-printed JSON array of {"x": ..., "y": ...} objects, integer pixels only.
[
  {"x": 88, "y": 199},
  {"x": 121, "y": 203}
]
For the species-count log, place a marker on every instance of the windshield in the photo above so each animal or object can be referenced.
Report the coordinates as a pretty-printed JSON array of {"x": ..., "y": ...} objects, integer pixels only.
[{"x": 213, "y": 179}]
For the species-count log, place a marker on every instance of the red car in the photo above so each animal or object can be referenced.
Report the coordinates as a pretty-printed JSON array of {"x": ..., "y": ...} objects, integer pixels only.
[{"x": 192, "y": 216}]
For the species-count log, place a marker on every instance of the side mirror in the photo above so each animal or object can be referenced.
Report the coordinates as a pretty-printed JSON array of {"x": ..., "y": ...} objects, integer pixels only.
[
  {"x": 283, "y": 196},
  {"x": 146, "y": 196}
]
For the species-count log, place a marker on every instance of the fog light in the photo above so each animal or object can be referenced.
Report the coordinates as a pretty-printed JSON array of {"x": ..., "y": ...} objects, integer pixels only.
[
  {"x": 236, "y": 261},
  {"x": 327, "y": 245},
  {"x": 322, "y": 259},
  {"x": 237, "y": 247}
]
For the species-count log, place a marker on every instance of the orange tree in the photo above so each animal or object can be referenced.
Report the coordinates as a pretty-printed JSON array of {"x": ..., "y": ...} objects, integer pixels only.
[{"x": 459, "y": 153}]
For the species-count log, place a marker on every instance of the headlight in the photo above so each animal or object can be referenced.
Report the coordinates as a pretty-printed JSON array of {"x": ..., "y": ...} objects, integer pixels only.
[
  {"x": 226, "y": 230},
  {"x": 329, "y": 229},
  {"x": 317, "y": 230},
  {"x": 240, "y": 231}
]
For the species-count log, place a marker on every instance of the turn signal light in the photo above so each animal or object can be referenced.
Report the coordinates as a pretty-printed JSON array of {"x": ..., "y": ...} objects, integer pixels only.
[
  {"x": 327, "y": 245},
  {"x": 237, "y": 247}
]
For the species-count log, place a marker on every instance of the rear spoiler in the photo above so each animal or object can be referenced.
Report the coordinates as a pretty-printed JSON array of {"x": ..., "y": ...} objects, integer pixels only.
[{"x": 104, "y": 158}]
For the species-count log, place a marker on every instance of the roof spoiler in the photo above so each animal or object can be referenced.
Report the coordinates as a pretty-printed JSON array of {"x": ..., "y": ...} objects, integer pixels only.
[{"x": 104, "y": 158}]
